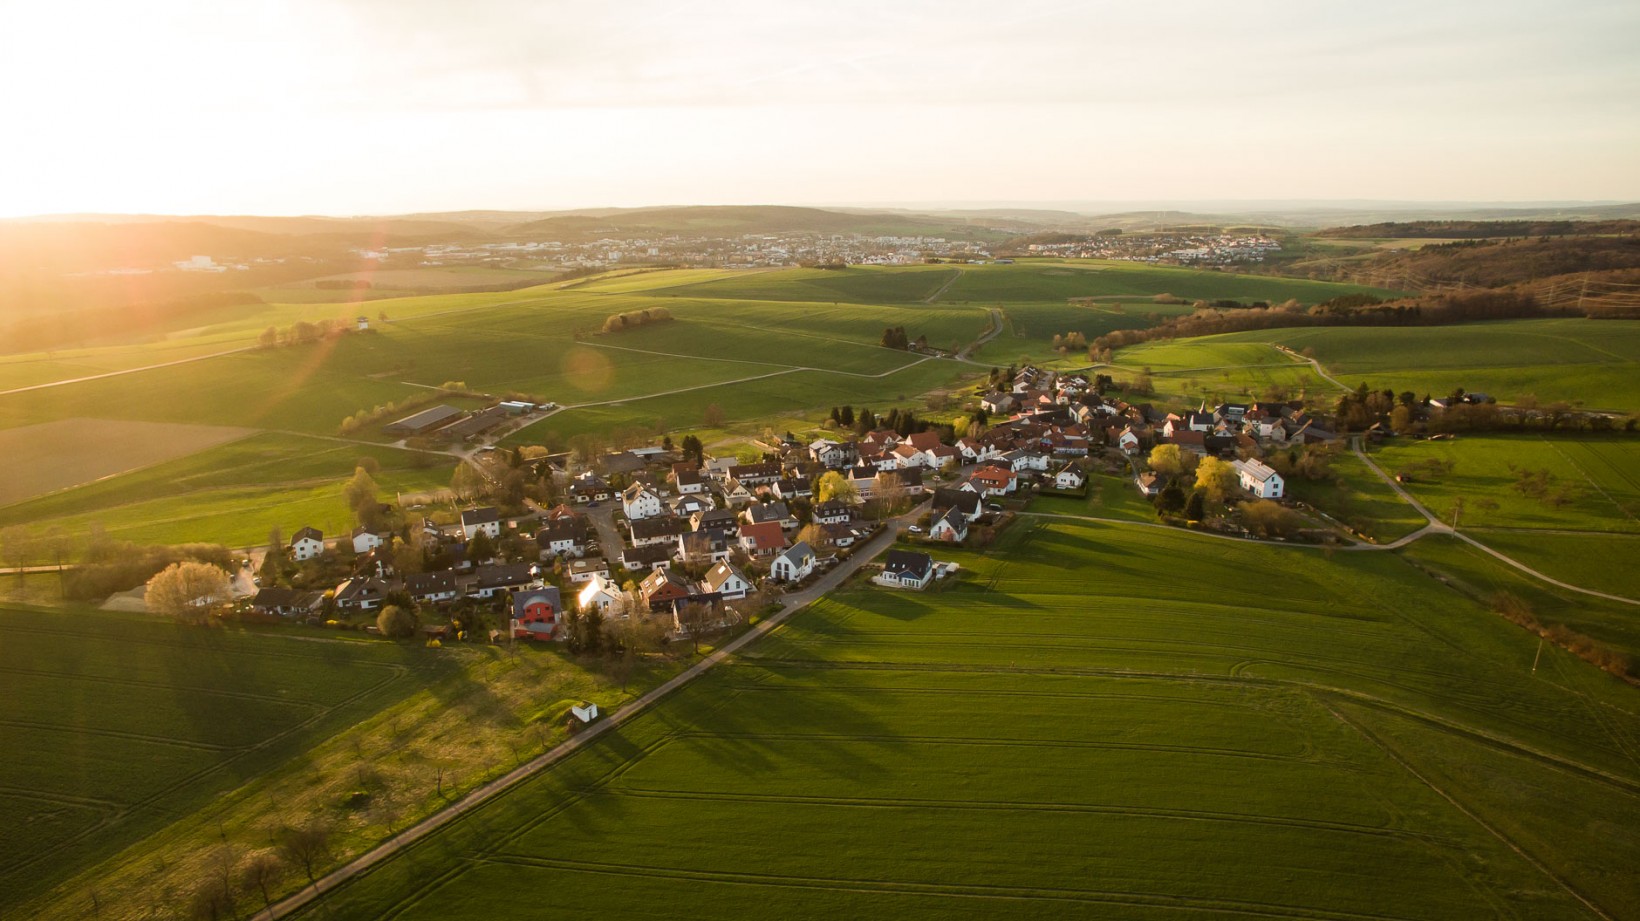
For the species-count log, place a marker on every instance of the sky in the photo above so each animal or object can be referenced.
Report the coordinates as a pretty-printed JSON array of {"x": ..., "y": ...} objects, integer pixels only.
[{"x": 397, "y": 106}]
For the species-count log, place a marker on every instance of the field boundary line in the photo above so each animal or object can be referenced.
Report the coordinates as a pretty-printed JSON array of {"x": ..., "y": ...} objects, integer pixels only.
[
  {"x": 107, "y": 374},
  {"x": 345, "y": 873},
  {"x": 1507, "y": 842},
  {"x": 943, "y": 288}
]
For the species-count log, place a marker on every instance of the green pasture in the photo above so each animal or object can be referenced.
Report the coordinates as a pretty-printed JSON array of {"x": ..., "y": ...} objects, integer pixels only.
[
  {"x": 1089, "y": 720},
  {"x": 1058, "y": 281},
  {"x": 233, "y": 494},
  {"x": 1595, "y": 363},
  {"x": 1359, "y": 498},
  {"x": 1605, "y": 562},
  {"x": 119, "y": 725},
  {"x": 1601, "y": 476}
]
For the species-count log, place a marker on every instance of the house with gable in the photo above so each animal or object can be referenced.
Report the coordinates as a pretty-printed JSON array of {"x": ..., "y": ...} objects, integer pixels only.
[
  {"x": 726, "y": 579},
  {"x": 906, "y": 569},
  {"x": 1260, "y": 479},
  {"x": 307, "y": 544},
  {"x": 639, "y": 501},
  {"x": 795, "y": 564},
  {"x": 952, "y": 525},
  {"x": 480, "y": 520}
]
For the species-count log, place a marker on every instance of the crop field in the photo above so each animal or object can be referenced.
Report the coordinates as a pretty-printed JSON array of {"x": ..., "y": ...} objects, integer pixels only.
[
  {"x": 1090, "y": 720},
  {"x": 1592, "y": 362},
  {"x": 118, "y": 725},
  {"x": 233, "y": 494},
  {"x": 57, "y": 455}
]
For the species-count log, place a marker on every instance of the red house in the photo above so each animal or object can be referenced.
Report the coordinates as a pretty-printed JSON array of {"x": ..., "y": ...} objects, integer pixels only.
[{"x": 537, "y": 614}]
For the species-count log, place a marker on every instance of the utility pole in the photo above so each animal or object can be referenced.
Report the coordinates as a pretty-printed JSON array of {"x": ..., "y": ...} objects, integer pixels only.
[{"x": 1538, "y": 656}]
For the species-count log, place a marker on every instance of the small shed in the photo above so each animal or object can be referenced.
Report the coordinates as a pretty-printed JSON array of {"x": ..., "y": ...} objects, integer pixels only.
[{"x": 586, "y": 712}]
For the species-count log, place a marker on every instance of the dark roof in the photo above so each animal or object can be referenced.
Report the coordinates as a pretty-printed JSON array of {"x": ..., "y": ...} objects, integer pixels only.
[
  {"x": 314, "y": 533},
  {"x": 768, "y": 511},
  {"x": 908, "y": 561},
  {"x": 502, "y": 575},
  {"x": 634, "y": 557},
  {"x": 425, "y": 421},
  {"x": 662, "y": 526},
  {"x": 428, "y": 583},
  {"x": 480, "y": 516},
  {"x": 945, "y": 497},
  {"x": 549, "y": 594},
  {"x": 275, "y": 596},
  {"x": 479, "y": 422}
]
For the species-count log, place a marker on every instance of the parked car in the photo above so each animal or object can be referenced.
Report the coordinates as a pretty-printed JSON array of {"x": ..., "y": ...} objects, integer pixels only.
[{"x": 914, "y": 529}]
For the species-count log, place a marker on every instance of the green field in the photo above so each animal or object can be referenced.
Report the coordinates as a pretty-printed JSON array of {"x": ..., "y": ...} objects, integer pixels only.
[
  {"x": 117, "y": 726},
  {"x": 233, "y": 494},
  {"x": 1595, "y": 363},
  {"x": 1093, "y": 720}
]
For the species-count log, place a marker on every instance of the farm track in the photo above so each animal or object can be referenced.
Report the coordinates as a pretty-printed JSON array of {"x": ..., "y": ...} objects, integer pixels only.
[
  {"x": 944, "y": 890},
  {"x": 107, "y": 374},
  {"x": 1628, "y": 786},
  {"x": 1193, "y": 815},
  {"x": 1491, "y": 829}
]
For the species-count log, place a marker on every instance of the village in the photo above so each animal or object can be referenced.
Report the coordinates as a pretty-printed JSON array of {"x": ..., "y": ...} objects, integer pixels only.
[{"x": 698, "y": 544}]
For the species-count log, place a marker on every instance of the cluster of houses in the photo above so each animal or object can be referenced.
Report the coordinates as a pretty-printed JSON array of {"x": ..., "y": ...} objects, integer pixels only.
[{"x": 705, "y": 533}]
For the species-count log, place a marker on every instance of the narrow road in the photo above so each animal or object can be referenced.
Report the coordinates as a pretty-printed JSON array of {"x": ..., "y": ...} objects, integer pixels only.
[
  {"x": 1312, "y": 363},
  {"x": 1436, "y": 526},
  {"x": 107, "y": 374},
  {"x": 793, "y": 603},
  {"x": 992, "y": 333},
  {"x": 943, "y": 288}
]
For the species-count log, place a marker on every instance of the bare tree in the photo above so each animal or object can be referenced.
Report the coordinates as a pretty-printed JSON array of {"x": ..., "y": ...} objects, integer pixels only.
[
  {"x": 261, "y": 872},
  {"x": 631, "y": 635},
  {"x": 695, "y": 617},
  {"x": 306, "y": 845},
  {"x": 16, "y": 545}
]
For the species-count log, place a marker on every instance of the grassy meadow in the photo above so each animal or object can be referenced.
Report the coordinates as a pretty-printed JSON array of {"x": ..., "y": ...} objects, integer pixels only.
[
  {"x": 1595, "y": 363},
  {"x": 1092, "y": 719},
  {"x": 120, "y": 725},
  {"x": 44, "y": 458},
  {"x": 150, "y": 758},
  {"x": 233, "y": 494}
]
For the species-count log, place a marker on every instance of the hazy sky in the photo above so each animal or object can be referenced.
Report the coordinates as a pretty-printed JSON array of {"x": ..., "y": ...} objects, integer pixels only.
[{"x": 381, "y": 106}]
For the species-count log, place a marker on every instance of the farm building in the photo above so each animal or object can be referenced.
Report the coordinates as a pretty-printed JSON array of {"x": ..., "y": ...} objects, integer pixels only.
[{"x": 428, "y": 420}]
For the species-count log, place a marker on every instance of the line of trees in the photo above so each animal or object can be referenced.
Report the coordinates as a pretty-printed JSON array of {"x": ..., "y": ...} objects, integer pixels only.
[
  {"x": 303, "y": 332},
  {"x": 633, "y": 319}
]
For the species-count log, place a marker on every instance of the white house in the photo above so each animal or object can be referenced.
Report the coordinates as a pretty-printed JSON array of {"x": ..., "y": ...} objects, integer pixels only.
[
  {"x": 795, "y": 565},
  {"x": 638, "y": 502},
  {"x": 1257, "y": 478},
  {"x": 486, "y": 520},
  {"x": 365, "y": 540},
  {"x": 307, "y": 544},
  {"x": 726, "y": 580},
  {"x": 951, "y": 526},
  {"x": 1069, "y": 478},
  {"x": 598, "y": 593},
  {"x": 907, "y": 569}
]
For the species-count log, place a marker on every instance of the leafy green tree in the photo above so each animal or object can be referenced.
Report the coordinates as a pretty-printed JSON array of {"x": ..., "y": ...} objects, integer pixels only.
[{"x": 836, "y": 486}]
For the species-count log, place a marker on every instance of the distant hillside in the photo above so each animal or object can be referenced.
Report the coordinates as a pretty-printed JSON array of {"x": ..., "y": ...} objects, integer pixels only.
[
  {"x": 730, "y": 219},
  {"x": 1480, "y": 229}
]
